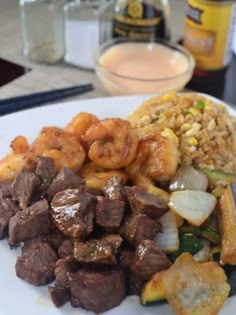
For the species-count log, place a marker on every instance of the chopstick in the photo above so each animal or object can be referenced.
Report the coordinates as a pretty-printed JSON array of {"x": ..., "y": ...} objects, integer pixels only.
[{"x": 14, "y": 104}]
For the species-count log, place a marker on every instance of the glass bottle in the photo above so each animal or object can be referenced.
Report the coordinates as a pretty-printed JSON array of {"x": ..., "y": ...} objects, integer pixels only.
[
  {"x": 208, "y": 35},
  {"x": 141, "y": 19},
  {"x": 42, "y": 30},
  {"x": 81, "y": 32}
]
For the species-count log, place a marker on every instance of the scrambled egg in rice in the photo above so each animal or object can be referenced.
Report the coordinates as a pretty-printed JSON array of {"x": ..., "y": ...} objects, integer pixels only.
[{"x": 204, "y": 132}]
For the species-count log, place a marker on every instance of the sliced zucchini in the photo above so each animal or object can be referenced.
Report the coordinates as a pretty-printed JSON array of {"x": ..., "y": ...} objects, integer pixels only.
[
  {"x": 215, "y": 253},
  {"x": 216, "y": 177},
  {"x": 152, "y": 291},
  {"x": 189, "y": 243},
  {"x": 218, "y": 191},
  {"x": 210, "y": 234}
]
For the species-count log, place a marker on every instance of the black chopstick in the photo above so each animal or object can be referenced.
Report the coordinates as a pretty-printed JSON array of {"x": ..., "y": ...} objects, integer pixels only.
[{"x": 14, "y": 104}]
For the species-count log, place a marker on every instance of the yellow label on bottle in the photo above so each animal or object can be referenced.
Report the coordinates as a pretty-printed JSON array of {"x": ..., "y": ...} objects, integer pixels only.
[{"x": 209, "y": 31}]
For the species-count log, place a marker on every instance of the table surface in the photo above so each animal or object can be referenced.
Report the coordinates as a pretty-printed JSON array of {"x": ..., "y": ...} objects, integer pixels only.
[{"x": 44, "y": 77}]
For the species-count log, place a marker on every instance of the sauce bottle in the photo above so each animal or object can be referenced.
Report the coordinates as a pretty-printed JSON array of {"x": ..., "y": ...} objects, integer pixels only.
[
  {"x": 208, "y": 35},
  {"x": 143, "y": 19}
]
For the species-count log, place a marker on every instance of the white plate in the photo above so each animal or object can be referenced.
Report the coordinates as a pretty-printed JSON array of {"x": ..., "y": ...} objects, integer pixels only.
[{"x": 19, "y": 297}]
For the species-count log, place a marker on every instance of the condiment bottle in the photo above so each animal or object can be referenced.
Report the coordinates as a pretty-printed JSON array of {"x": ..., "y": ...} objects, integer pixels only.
[
  {"x": 81, "y": 32},
  {"x": 42, "y": 30},
  {"x": 143, "y": 19},
  {"x": 208, "y": 35}
]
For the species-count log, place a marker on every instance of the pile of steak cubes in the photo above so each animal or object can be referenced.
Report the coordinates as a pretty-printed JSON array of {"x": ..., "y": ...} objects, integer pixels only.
[{"x": 95, "y": 245}]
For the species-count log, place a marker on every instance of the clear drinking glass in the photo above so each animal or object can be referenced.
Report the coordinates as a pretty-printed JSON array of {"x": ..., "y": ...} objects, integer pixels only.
[{"x": 42, "y": 30}]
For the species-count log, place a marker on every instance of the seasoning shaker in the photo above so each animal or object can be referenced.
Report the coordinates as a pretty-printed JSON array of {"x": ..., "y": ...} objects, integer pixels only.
[
  {"x": 42, "y": 30},
  {"x": 81, "y": 32}
]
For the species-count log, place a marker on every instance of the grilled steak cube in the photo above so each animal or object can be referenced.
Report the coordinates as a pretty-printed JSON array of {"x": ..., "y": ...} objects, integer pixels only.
[
  {"x": 114, "y": 188},
  {"x": 73, "y": 212},
  {"x": 125, "y": 258},
  {"x": 148, "y": 260},
  {"x": 23, "y": 187},
  {"x": 109, "y": 213},
  {"x": 92, "y": 191},
  {"x": 55, "y": 239},
  {"x": 29, "y": 223},
  {"x": 5, "y": 190},
  {"x": 59, "y": 295},
  {"x": 66, "y": 249},
  {"x": 145, "y": 203},
  {"x": 62, "y": 269},
  {"x": 45, "y": 168},
  {"x": 94, "y": 251},
  {"x": 114, "y": 240},
  {"x": 65, "y": 179},
  {"x": 37, "y": 264},
  {"x": 97, "y": 291},
  {"x": 134, "y": 284},
  {"x": 138, "y": 228},
  {"x": 8, "y": 208}
]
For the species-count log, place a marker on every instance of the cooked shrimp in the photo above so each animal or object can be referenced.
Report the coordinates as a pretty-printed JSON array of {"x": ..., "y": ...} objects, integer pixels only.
[
  {"x": 80, "y": 123},
  {"x": 11, "y": 164},
  {"x": 20, "y": 145},
  {"x": 95, "y": 175},
  {"x": 157, "y": 158},
  {"x": 112, "y": 143},
  {"x": 60, "y": 145}
]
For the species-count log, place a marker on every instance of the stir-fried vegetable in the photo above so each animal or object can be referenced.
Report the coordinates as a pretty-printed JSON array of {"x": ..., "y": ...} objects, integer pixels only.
[
  {"x": 194, "y": 206},
  {"x": 203, "y": 254},
  {"x": 227, "y": 224},
  {"x": 216, "y": 177},
  {"x": 195, "y": 288},
  {"x": 168, "y": 240},
  {"x": 152, "y": 291},
  {"x": 188, "y": 243},
  {"x": 210, "y": 234},
  {"x": 200, "y": 104},
  {"x": 215, "y": 253},
  {"x": 218, "y": 191},
  {"x": 189, "y": 178}
]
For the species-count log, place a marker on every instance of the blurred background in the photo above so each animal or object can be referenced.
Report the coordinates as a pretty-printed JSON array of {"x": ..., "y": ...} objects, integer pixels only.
[{"x": 43, "y": 48}]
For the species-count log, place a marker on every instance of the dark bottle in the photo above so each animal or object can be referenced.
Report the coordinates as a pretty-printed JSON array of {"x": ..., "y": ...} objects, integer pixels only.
[
  {"x": 208, "y": 36},
  {"x": 143, "y": 19}
]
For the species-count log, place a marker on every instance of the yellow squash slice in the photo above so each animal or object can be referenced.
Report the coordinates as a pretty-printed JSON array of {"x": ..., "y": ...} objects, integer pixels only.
[{"x": 193, "y": 288}]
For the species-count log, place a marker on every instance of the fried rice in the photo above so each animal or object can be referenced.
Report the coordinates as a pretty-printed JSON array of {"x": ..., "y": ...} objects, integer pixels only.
[{"x": 204, "y": 132}]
